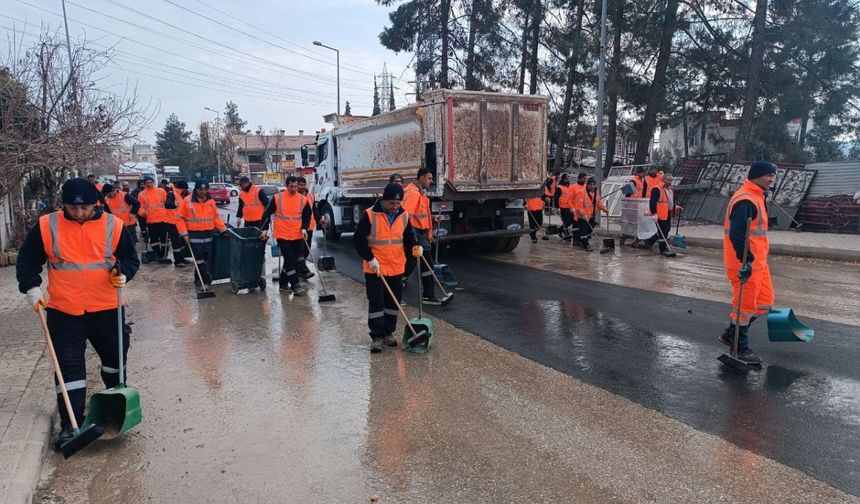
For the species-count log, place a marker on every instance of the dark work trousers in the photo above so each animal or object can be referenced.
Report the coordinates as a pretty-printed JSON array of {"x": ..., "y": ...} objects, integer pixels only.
[
  {"x": 201, "y": 245},
  {"x": 289, "y": 254},
  {"x": 302, "y": 255},
  {"x": 254, "y": 223},
  {"x": 69, "y": 334},
  {"x": 143, "y": 230},
  {"x": 535, "y": 222},
  {"x": 585, "y": 230},
  {"x": 666, "y": 227},
  {"x": 566, "y": 222},
  {"x": 382, "y": 311},
  {"x": 423, "y": 238},
  {"x": 179, "y": 251},
  {"x": 158, "y": 233},
  {"x": 132, "y": 232}
]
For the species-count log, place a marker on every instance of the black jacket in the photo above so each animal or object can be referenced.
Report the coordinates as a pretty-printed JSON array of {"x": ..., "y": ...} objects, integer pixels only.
[
  {"x": 31, "y": 256},
  {"x": 362, "y": 230}
]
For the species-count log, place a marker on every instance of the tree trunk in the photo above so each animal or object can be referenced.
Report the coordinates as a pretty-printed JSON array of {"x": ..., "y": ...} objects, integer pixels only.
[
  {"x": 804, "y": 118},
  {"x": 686, "y": 133},
  {"x": 470, "y": 48},
  {"x": 576, "y": 29},
  {"x": 614, "y": 79},
  {"x": 753, "y": 80},
  {"x": 525, "y": 53},
  {"x": 446, "y": 10},
  {"x": 533, "y": 57},
  {"x": 658, "y": 87}
]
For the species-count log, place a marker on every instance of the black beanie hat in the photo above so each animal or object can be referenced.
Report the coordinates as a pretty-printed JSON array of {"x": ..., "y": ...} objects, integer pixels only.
[
  {"x": 148, "y": 177},
  {"x": 79, "y": 191},
  {"x": 107, "y": 188},
  {"x": 392, "y": 192},
  {"x": 591, "y": 181},
  {"x": 760, "y": 169},
  {"x": 244, "y": 179},
  {"x": 181, "y": 184},
  {"x": 581, "y": 175},
  {"x": 201, "y": 183}
]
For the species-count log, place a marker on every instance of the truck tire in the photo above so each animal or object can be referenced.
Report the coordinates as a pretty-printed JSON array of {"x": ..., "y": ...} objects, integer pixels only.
[
  {"x": 497, "y": 245},
  {"x": 331, "y": 233},
  {"x": 511, "y": 245}
]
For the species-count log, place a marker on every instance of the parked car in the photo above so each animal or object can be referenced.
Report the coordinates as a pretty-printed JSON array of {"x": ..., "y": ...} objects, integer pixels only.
[
  {"x": 271, "y": 190},
  {"x": 233, "y": 189},
  {"x": 219, "y": 192}
]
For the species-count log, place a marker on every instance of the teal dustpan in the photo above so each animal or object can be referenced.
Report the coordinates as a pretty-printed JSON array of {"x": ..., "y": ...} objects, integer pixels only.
[
  {"x": 418, "y": 330},
  {"x": 782, "y": 325}
]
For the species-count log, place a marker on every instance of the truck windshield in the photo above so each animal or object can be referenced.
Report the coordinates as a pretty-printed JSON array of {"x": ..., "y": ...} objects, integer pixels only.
[{"x": 322, "y": 152}]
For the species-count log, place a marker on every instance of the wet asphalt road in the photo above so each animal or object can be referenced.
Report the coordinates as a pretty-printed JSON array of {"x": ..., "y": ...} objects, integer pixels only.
[{"x": 659, "y": 350}]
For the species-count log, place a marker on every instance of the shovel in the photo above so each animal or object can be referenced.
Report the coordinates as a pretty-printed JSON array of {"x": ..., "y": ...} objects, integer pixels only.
[
  {"x": 783, "y": 326},
  {"x": 417, "y": 337},
  {"x": 447, "y": 296},
  {"x": 678, "y": 240},
  {"x": 204, "y": 292},
  {"x": 325, "y": 297},
  {"x": 82, "y": 436},
  {"x": 731, "y": 359},
  {"x": 417, "y": 343},
  {"x": 116, "y": 409}
]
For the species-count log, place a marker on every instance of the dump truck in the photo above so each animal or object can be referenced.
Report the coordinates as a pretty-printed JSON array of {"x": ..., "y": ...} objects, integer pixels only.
[{"x": 487, "y": 152}]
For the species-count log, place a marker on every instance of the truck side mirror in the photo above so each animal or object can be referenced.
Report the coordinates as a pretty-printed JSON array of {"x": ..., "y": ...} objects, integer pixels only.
[{"x": 304, "y": 155}]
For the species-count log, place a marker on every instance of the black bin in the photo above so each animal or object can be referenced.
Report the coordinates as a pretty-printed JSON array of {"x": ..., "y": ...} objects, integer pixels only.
[
  {"x": 219, "y": 258},
  {"x": 247, "y": 256}
]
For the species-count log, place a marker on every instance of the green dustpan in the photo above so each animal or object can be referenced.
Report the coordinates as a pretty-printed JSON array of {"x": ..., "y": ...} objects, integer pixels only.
[
  {"x": 116, "y": 409},
  {"x": 422, "y": 345},
  {"x": 782, "y": 325}
]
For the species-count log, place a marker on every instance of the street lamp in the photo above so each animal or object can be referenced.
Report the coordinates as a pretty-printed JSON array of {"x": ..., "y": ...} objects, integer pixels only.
[
  {"x": 318, "y": 43},
  {"x": 217, "y": 133}
]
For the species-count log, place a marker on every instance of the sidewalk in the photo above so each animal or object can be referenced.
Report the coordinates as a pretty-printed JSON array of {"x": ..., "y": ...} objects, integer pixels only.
[
  {"x": 26, "y": 398},
  {"x": 833, "y": 247}
]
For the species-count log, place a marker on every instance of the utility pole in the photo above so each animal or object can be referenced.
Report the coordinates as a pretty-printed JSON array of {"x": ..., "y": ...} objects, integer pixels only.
[
  {"x": 320, "y": 44},
  {"x": 217, "y": 135},
  {"x": 601, "y": 85}
]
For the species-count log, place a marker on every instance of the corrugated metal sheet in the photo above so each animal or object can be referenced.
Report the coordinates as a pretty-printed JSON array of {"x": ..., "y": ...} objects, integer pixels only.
[{"x": 835, "y": 179}]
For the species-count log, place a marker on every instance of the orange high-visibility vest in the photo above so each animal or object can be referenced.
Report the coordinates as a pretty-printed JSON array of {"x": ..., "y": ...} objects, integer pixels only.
[
  {"x": 152, "y": 201},
  {"x": 252, "y": 207},
  {"x": 578, "y": 195},
  {"x": 417, "y": 205},
  {"x": 288, "y": 215},
  {"x": 759, "y": 245},
  {"x": 534, "y": 204},
  {"x": 663, "y": 204},
  {"x": 588, "y": 204},
  {"x": 80, "y": 257},
  {"x": 565, "y": 200},
  {"x": 651, "y": 183},
  {"x": 119, "y": 208},
  {"x": 386, "y": 243},
  {"x": 198, "y": 216},
  {"x": 311, "y": 202},
  {"x": 639, "y": 184}
]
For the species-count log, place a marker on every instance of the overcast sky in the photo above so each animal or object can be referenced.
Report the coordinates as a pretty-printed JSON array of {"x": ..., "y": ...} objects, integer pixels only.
[{"x": 272, "y": 71}]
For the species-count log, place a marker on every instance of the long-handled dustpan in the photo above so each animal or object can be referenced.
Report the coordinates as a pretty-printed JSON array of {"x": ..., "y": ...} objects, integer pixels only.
[
  {"x": 204, "y": 292},
  {"x": 412, "y": 342},
  {"x": 539, "y": 227},
  {"x": 731, "y": 359},
  {"x": 670, "y": 253},
  {"x": 678, "y": 241},
  {"x": 326, "y": 262},
  {"x": 163, "y": 259},
  {"x": 551, "y": 229},
  {"x": 443, "y": 271},
  {"x": 414, "y": 337},
  {"x": 783, "y": 326},
  {"x": 325, "y": 297},
  {"x": 603, "y": 248},
  {"x": 82, "y": 435},
  {"x": 148, "y": 255},
  {"x": 116, "y": 409}
]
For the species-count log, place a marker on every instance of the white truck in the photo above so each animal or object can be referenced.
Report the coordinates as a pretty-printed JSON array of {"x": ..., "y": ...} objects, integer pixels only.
[{"x": 487, "y": 152}]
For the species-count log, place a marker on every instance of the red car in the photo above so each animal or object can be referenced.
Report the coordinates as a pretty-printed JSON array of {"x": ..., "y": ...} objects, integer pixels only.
[{"x": 219, "y": 192}]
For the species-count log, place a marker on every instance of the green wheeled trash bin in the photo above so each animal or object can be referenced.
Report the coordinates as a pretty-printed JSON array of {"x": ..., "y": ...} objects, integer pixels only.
[
  {"x": 247, "y": 256},
  {"x": 219, "y": 258}
]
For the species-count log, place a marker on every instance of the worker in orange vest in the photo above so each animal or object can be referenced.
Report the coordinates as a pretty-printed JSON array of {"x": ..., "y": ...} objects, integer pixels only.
[
  {"x": 549, "y": 186},
  {"x": 590, "y": 204},
  {"x": 663, "y": 207},
  {"x": 291, "y": 217},
  {"x": 416, "y": 203},
  {"x": 252, "y": 204},
  {"x": 304, "y": 272},
  {"x": 534, "y": 206},
  {"x": 81, "y": 245},
  {"x": 122, "y": 205},
  {"x": 563, "y": 200},
  {"x": 153, "y": 207},
  {"x": 652, "y": 180},
  {"x": 635, "y": 187},
  {"x": 577, "y": 200},
  {"x": 382, "y": 237},
  {"x": 198, "y": 219},
  {"x": 748, "y": 202},
  {"x": 181, "y": 256}
]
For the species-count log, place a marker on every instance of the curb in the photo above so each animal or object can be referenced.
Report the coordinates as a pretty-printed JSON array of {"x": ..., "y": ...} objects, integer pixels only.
[
  {"x": 827, "y": 254},
  {"x": 24, "y": 446}
]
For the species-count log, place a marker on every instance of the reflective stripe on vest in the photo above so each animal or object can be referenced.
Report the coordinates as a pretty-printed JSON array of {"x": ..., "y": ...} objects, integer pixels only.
[
  {"x": 386, "y": 242},
  {"x": 62, "y": 264},
  {"x": 252, "y": 207},
  {"x": 288, "y": 221}
]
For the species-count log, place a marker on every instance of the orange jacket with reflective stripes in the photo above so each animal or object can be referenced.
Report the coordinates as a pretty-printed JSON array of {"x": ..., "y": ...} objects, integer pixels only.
[
  {"x": 565, "y": 200},
  {"x": 252, "y": 207},
  {"x": 578, "y": 195},
  {"x": 288, "y": 215},
  {"x": 119, "y": 208},
  {"x": 639, "y": 184},
  {"x": 534, "y": 204},
  {"x": 651, "y": 183},
  {"x": 386, "y": 243},
  {"x": 588, "y": 204},
  {"x": 80, "y": 257},
  {"x": 197, "y": 215},
  {"x": 152, "y": 201},
  {"x": 663, "y": 212},
  {"x": 759, "y": 245},
  {"x": 417, "y": 205}
]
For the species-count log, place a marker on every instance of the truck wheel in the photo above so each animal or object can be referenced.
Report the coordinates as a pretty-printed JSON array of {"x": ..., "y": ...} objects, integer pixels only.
[
  {"x": 511, "y": 245},
  {"x": 331, "y": 233},
  {"x": 490, "y": 245}
]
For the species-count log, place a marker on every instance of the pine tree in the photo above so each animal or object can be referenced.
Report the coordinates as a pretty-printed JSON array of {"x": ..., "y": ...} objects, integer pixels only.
[
  {"x": 376, "y": 109},
  {"x": 173, "y": 145},
  {"x": 348, "y": 110},
  {"x": 391, "y": 105},
  {"x": 234, "y": 123}
]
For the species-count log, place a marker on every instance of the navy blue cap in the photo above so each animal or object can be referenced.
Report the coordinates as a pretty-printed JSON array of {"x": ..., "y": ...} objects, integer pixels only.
[
  {"x": 393, "y": 192},
  {"x": 79, "y": 191}
]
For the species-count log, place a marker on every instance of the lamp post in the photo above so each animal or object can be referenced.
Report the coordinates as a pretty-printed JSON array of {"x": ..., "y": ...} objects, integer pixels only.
[
  {"x": 318, "y": 43},
  {"x": 217, "y": 133},
  {"x": 601, "y": 85}
]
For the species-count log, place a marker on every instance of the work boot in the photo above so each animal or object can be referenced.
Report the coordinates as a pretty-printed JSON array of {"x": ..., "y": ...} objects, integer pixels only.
[
  {"x": 65, "y": 435},
  {"x": 376, "y": 346},
  {"x": 534, "y": 240},
  {"x": 587, "y": 246},
  {"x": 727, "y": 336},
  {"x": 308, "y": 275},
  {"x": 749, "y": 357},
  {"x": 431, "y": 300},
  {"x": 179, "y": 264},
  {"x": 389, "y": 340},
  {"x": 298, "y": 290}
]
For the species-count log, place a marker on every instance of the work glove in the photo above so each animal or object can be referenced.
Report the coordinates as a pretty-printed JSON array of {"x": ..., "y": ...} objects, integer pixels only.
[
  {"x": 305, "y": 234},
  {"x": 417, "y": 250},
  {"x": 745, "y": 272},
  {"x": 374, "y": 265},
  {"x": 34, "y": 297},
  {"x": 264, "y": 236},
  {"x": 117, "y": 279}
]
